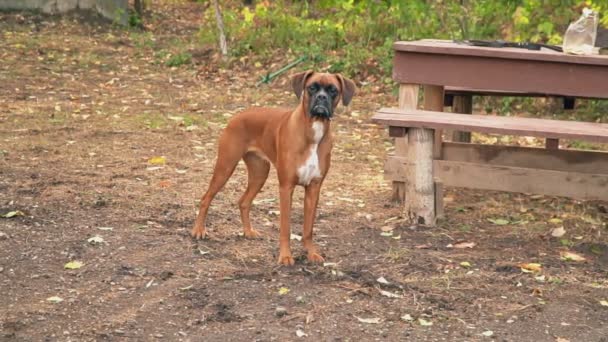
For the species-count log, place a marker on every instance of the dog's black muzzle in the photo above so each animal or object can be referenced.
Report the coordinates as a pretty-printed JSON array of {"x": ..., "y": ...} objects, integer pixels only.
[{"x": 320, "y": 105}]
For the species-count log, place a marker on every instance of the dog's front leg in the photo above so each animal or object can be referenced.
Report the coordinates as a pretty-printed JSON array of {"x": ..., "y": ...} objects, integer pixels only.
[
  {"x": 311, "y": 198},
  {"x": 286, "y": 192}
]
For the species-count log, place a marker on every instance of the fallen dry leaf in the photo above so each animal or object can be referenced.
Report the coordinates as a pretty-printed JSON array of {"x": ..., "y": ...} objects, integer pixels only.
[
  {"x": 390, "y": 294},
  {"x": 375, "y": 320},
  {"x": 530, "y": 267},
  {"x": 465, "y": 245},
  {"x": 569, "y": 256},
  {"x": 157, "y": 160},
  {"x": 382, "y": 280},
  {"x": 73, "y": 265},
  {"x": 424, "y": 246},
  {"x": 55, "y": 299},
  {"x": 558, "y": 232},
  {"x": 424, "y": 322}
]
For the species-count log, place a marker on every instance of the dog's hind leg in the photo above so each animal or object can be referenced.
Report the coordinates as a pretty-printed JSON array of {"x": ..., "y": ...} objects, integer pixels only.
[
  {"x": 230, "y": 151},
  {"x": 257, "y": 172}
]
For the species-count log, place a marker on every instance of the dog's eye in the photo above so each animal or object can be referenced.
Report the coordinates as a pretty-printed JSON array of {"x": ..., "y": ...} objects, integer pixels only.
[
  {"x": 332, "y": 90},
  {"x": 313, "y": 87}
]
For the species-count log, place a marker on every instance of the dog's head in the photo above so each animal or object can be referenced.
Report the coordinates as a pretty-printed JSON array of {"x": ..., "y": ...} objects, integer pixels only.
[{"x": 321, "y": 92}]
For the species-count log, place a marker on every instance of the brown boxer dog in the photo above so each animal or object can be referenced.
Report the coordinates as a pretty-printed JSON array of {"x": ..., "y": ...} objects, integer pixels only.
[{"x": 297, "y": 142}]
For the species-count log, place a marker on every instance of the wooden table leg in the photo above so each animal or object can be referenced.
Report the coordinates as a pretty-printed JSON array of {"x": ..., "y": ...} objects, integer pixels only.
[
  {"x": 433, "y": 101},
  {"x": 462, "y": 104},
  {"x": 420, "y": 186},
  {"x": 408, "y": 99},
  {"x": 424, "y": 145}
]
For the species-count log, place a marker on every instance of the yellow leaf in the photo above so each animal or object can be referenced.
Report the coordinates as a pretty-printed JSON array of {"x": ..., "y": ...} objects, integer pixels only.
[
  {"x": 604, "y": 302},
  {"x": 465, "y": 264},
  {"x": 13, "y": 214},
  {"x": 555, "y": 220},
  {"x": 283, "y": 291},
  {"x": 530, "y": 267},
  {"x": 157, "y": 160},
  {"x": 424, "y": 322},
  {"x": 73, "y": 265}
]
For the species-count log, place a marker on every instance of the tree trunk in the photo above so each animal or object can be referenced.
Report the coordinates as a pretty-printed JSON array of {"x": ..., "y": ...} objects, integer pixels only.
[
  {"x": 220, "y": 28},
  {"x": 139, "y": 8}
]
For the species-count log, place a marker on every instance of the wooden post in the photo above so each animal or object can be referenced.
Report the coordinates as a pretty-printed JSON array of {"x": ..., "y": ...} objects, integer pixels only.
[
  {"x": 433, "y": 100},
  {"x": 408, "y": 99},
  {"x": 438, "y": 198},
  {"x": 462, "y": 104},
  {"x": 552, "y": 144},
  {"x": 424, "y": 145},
  {"x": 420, "y": 186}
]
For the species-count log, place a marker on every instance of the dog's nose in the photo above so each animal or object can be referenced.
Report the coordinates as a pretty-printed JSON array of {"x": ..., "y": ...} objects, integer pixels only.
[{"x": 322, "y": 97}]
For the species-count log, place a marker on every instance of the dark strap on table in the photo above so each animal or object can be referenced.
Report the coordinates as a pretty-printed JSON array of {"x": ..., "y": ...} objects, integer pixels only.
[{"x": 502, "y": 43}]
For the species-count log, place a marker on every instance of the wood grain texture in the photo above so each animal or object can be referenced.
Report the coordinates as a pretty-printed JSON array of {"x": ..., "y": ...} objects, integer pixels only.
[
  {"x": 529, "y": 72},
  {"x": 552, "y": 144},
  {"x": 433, "y": 102},
  {"x": 408, "y": 99},
  {"x": 585, "y": 186},
  {"x": 420, "y": 187},
  {"x": 529, "y": 157},
  {"x": 433, "y": 46},
  {"x": 463, "y": 104},
  {"x": 556, "y": 129}
]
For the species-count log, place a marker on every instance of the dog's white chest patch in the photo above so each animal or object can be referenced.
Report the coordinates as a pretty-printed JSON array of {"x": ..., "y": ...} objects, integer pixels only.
[{"x": 310, "y": 169}]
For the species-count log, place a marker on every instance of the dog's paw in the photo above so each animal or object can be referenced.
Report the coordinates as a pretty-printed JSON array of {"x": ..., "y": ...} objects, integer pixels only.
[
  {"x": 252, "y": 234},
  {"x": 198, "y": 233},
  {"x": 286, "y": 260},
  {"x": 315, "y": 257}
]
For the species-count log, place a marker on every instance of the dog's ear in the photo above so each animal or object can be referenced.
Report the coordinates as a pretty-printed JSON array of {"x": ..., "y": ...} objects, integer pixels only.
[
  {"x": 348, "y": 89},
  {"x": 298, "y": 81}
]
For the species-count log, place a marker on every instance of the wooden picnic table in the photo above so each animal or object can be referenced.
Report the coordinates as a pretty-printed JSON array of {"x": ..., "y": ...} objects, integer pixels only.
[{"x": 444, "y": 68}]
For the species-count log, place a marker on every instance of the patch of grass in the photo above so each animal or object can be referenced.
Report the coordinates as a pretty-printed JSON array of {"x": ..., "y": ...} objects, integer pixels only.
[
  {"x": 87, "y": 59},
  {"x": 152, "y": 120},
  {"x": 190, "y": 120},
  {"x": 583, "y": 145},
  {"x": 143, "y": 40},
  {"x": 396, "y": 254},
  {"x": 179, "y": 59},
  {"x": 464, "y": 228}
]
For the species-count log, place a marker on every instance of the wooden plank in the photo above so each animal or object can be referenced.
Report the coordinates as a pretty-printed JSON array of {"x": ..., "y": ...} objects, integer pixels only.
[
  {"x": 556, "y": 129},
  {"x": 463, "y": 104},
  {"x": 433, "y": 101},
  {"x": 397, "y": 132},
  {"x": 527, "y": 157},
  {"x": 408, "y": 99},
  {"x": 537, "y": 76},
  {"x": 515, "y": 179},
  {"x": 433, "y": 46},
  {"x": 552, "y": 144}
]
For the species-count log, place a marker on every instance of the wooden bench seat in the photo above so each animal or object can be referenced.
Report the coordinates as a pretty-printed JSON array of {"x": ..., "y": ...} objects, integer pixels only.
[
  {"x": 542, "y": 128},
  {"x": 548, "y": 171}
]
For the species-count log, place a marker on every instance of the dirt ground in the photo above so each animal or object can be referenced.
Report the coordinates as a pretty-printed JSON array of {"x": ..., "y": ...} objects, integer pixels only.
[{"x": 87, "y": 109}]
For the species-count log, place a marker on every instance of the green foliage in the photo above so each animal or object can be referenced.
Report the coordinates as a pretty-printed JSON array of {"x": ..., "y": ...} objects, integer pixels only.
[
  {"x": 135, "y": 20},
  {"x": 179, "y": 59},
  {"x": 356, "y": 36}
]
